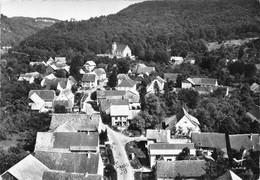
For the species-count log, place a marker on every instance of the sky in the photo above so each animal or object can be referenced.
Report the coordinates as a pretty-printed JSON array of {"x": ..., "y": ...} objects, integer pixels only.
[{"x": 63, "y": 9}]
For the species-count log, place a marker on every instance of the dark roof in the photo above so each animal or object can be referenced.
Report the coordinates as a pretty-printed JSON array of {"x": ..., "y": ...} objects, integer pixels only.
[
  {"x": 209, "y": 140},
  {"x": 127, "y": 83},
  {"x": 70, "y": 162},
  {"x": 44, "y": 94},
  {"x": 170, "y": 76},
  {"x": 165, "y": 146},
  {"x": 65, "y": 140},
  {"x": 88, "y": 77},
  {"x": 243, "y": 140},
  {"x": 254, "y": 113},
  {"x": 79, "y": 121},
  {"x": 118, "y": 102},
  {"x": 184, "y": 168},
  {"x": 158, "y": 135},
  {"x": 60, "y": 175},
  {"x": 229, "y": 175},
  {"x": 54, "y": 82}
]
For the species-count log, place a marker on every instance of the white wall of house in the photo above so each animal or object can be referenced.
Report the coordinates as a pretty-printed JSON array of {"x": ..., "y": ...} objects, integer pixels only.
[
  {"x": 186, "y": 85},
  {"x": 119, "y": 120},
  {"x": 100, "y": 166},
  {"x": 90, "y": 84},
  {"x": 185, "y": 125},
  {"x": 127, "y": 88}
]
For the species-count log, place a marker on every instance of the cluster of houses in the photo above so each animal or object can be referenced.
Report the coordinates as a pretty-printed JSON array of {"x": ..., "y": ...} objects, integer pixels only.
[{"x": 71, "y": 148}]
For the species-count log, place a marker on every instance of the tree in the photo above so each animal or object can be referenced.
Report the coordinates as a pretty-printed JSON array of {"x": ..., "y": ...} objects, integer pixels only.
[
  {"x": 61, "y": 73},
  {"x": 123, "y": 66},
  {"x": 189, "y": 97},
  {"x": 76, "y": 63},
  {"x": 41, "y": 69},
  {"x": 93, "y": 96},
  {"x": 184, "y": 154},
  {"x": 112, "y": 80},
  {"x": 153, "y": 106}
]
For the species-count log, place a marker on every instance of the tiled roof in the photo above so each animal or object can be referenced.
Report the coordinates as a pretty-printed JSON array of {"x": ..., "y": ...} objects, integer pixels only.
[
  {"x": 145, "y": 70},
  {"x": 28, "y": 168},
  {"x": 104, "y": 104},
  {"x": 239, "y": 141},
  {"x": 180, "y": 114},
  {"x": 254, "y": 113},
  {"x": 127, "y": 83},
  {"x": 167, "y": 146},
  {"x": 202, "y": 81},
  {"x": 78, "y": 121},
  {"x": 209, "y": 140},
  {"x": 120, "y": 48},
  {"x": 121, "y": 76},
  {"x": 170, "y": 122},
  {"x": 104, "y": 94},
  {"x": 69, "y": 162},
  {"x": 118, "y": 102},
  {"x": 184, "y": 168},
  {"x": 60, "y": 175},
  {"x": 254, "y": 86},
  {"x": 54, "y": 82},
  {"x": 158, "y": 135},
  {"x": 43, "y": 94},
  {"x": 202, "y": 89},
  {"x": 91, "y": 63},
  {"x": 65, "y": 127},
  {"x": 99, "y": 71},
  {"x": 60, "y": 59},
  {"x": 88, "y": 77}
]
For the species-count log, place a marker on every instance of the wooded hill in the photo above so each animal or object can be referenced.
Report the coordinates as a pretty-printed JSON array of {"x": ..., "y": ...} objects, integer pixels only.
[
  {"x": 149, "y": 26},
  {"x": 16, "y": 29}
]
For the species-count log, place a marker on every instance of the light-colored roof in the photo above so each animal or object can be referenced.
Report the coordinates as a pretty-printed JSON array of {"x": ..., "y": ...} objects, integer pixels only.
[
  {"x": 65, "y": 127},
  {"x": 60, "y": 59},
  {"x": 121, "y": 76},
  {"x": 177, "y": 58},
  {"x": 184, "y": 168},
  {"x": 89, "y": 77},
  {"x": 61, "y": 175},
  {"x": 127, "y": 83},
  {"x": 119, "y": 102},
  {"x": 70, "y": 162},
  {"x": 28, "y": 168},
  {"x": 79, "y": 122},
  {"x": 43, "y": 94},
  {"x": 170, "y": 76},
  {"x": 229, "y": 175},
  {"x": 99, "y": 71},
  {"x": 104, "y": 94},
  {"x": 120, "y": 48},
  {"x": 158, "y": 135},
  {"x": 90, "y": 63}
]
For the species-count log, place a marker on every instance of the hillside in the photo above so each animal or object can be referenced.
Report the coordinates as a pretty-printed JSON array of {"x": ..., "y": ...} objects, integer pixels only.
[
  {"x": 179, "y": 26},
  {"x": 16, "y": 29}
]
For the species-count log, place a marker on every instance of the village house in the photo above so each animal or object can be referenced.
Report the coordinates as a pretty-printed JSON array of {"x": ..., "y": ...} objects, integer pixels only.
[
  {"x": 119, "y": 112},
  {"x": 229, "y": 175},
  {"x": 30, "y": 77},
  {"x": 57, "y": 64},
  {"x": 67, "y": 142},
  {"x": 66, "y": 99},
  {"x": 28, "y": 168},
  {"x": 202, "y": 82},
  {"x": 42, "y": 100},
  {"x": 255, "y": 88},
  {"x": 120, "y": 50},
  {"x": 37, "y": 63},
  {"x": 176, "y": 60},
  {"x": 133, "y": 96},
  {"x": 186, "y": 169},
  {"x": 168, "y": 151},
  {"x": 90, "y": 66},
  {"x": 72, "y": 162},
  {"x": 245, "y": 141},
  {"x": 126, "y": 85},
  {"x": 254, "y": 113},
  {"x": 78, "y": 122},
  {"x": 143, "y": 69},
  {"x": 121, "y": 77},
  {"x": 134, "y": 109},
  {"x": 101, "y": 74},
  {"x": 157, "y": 136},
  {"x": 151, "y": 86},
  {"x": 182, "y": 123},
  {"x": 89, "y": 80},
  {"x": 110, "y": 94}
]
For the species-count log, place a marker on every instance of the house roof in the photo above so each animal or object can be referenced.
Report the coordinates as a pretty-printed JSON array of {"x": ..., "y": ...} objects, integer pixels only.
[
  {"x": 119, "y": 102},
  {"x": 65, "y": 127},
  {"x": 60, "y": 59},
  {"x": 99, "y": 71},
  {"x": 229, "y": 175},
  {"x": 90, "y": 63},
  {"x": 77, "y": 121},
  {"x": 65, "y": 141},
  {"x": 170, "y": 76},
  {"x": 89, "y": 77},
  {"x": 53, "y": 82},
  {"x": 203, "y": 81},
  {"x": 120, "y": 48},
  {"x": 70, "y": 162},
  {"x": 239, "y": 141},
  {"x": 145, "y": 70},
  {"x": 257, "y": 66},
  {"x": 28, "y": 168},
  {"x": 121, "y": 76},
  {"x": 177, "y": 58},
  {"x": 127, "y": 83},
  {"x": 254, "y": 113},
  {"x": 203, "y": 89},
  {"x": 104, "y": 94},
  {"x": 184, "y": 168},
  {"x": 171, "y": 121},
  {"x": 167, "y": 146},
  {"x": 43, "y": 94},
  {"x": 61, "y": 175},
  {"x": 209, "y": 140},
  {"x": 104, "y": 104},
  {"x": 254, "y": 86},
  {"x": 158, "y": 135}
]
